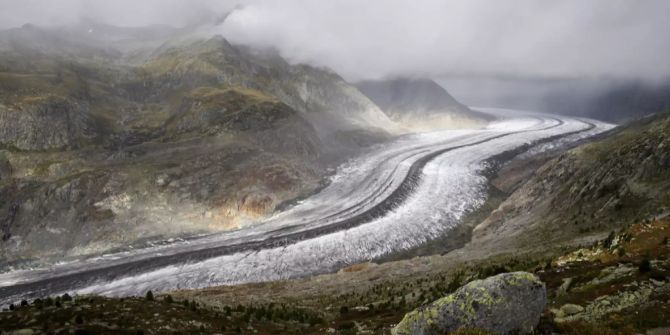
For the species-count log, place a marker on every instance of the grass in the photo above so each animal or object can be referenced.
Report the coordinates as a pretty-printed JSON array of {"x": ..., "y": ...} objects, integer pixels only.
[
  {"x": 374, "y": 309},
  {"x": 153, "y": 315}
]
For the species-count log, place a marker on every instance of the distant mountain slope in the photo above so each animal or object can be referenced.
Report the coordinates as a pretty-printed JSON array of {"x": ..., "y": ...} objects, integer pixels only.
[
  {"x": 115, "y": 137},
  {"x": 420, "y": 103},
  {"x": 619, "y": 102},
  {"x": 319, "y": 93}
]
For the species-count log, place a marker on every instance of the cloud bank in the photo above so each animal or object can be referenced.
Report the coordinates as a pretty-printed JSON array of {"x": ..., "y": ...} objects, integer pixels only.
[{"x": 435, "y": 38}]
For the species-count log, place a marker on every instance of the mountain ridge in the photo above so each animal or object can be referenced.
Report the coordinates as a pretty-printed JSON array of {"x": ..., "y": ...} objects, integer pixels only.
[{"x": 421, "y": 104}]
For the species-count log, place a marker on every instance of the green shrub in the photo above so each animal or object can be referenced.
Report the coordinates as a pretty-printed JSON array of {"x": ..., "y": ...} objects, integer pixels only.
[{"x": 150, "y": 296}]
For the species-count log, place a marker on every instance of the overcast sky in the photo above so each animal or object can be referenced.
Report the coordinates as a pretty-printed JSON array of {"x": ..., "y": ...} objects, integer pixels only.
[{"x": 377, "y": 38}]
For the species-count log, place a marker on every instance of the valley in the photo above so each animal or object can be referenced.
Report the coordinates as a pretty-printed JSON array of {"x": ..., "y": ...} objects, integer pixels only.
[
  {"x": 378, "y": 192},
  {"x": 259, "y": 167}
]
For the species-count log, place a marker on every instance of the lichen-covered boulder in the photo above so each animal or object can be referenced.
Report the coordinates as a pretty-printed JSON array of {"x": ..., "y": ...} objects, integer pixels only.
[{"x": 505, "y": 303}]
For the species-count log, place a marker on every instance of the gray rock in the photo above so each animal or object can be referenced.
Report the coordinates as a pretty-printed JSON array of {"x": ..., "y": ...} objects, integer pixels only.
[
  {"x": 571, "y": 309},
  {"x": 5, "y": 167},
  {"x": 506, "y": 303},
  {"x": 45, "y": 123},
  {"x": 565, "y": 286}
]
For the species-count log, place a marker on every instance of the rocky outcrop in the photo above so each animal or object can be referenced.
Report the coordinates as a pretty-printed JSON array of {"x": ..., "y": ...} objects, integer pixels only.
[
  {"x": 43, "y": 123},
  {"x": 5, "y": 167},
  {"x": 503, "y": 304}
]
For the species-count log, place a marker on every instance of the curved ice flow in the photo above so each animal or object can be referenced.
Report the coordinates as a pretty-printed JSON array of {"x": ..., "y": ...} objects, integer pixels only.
[{"x": 429, "y": 212}]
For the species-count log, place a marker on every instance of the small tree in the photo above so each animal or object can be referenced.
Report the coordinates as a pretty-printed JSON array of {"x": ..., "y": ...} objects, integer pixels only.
[
  {"x": 168, "y": 299},
  {"x": 150, "y": 296}
]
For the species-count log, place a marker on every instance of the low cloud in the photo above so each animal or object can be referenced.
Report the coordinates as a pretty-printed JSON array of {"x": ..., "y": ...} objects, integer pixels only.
[
  {"x": 435, "y": 38},
  {"x": 564, "y": 39}
]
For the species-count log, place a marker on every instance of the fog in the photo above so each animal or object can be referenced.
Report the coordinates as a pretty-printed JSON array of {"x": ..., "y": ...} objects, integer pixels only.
[
  {"x": 516, "y": 38},
  {"x": 434, "y": 38}
]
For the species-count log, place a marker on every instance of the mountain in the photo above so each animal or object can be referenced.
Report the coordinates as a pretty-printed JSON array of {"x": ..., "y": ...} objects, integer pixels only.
[
  {"x": 420, "y": 104},
  {"x": 116, "y": 137}
]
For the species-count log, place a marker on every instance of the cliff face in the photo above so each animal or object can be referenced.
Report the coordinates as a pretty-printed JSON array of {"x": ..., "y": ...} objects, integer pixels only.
[
  {"x": 420, "y": 104},
  {"x": 157, "y": 136},
  {"x": 43, "y": 123}
]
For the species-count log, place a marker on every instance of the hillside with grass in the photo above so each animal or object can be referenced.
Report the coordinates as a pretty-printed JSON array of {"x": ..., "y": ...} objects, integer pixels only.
[{"x": 118, "y": 138}]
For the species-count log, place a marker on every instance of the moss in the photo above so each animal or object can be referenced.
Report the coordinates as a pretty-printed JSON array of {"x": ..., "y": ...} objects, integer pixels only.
[
  {"x": 470, "y": 331},
  {"x": 42, "y": 168},
  {"x": 214, "y": 95}
]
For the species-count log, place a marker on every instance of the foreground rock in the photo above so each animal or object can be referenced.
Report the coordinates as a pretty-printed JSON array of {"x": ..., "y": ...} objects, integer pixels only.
[{"x": 506, "y": 303}]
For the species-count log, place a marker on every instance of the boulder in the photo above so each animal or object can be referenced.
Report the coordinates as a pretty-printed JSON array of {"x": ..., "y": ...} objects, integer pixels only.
[
  {"x": 571, "y": 309},
  {"x": 502, "y": 304}
]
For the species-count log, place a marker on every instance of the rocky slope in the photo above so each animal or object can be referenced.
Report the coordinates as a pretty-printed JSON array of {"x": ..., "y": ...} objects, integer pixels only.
[
  {"x": 420, "y": 104},
  {"x": 587, "y": 190},
  {"x": 116, "y": 137},
  {"x": 320, "y": 94}
]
